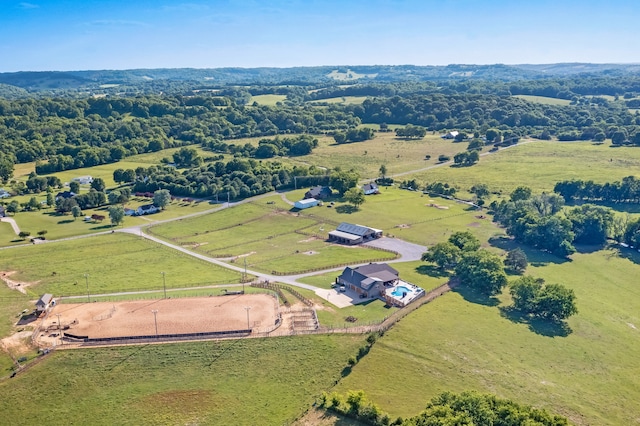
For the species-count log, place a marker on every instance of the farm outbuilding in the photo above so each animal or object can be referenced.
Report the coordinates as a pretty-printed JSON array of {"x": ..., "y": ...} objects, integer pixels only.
[
  {"x": 306, "y": 203},
  {"x": 43, "y": 303},
  {"x": 347, "y": 233}
]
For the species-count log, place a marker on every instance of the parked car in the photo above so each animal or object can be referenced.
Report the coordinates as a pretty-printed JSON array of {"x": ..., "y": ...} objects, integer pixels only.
[{"x": 343, "y": 288}]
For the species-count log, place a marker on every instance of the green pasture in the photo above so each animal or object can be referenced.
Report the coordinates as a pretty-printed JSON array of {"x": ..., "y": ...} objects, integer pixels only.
[
  {"x": 264, "y": 236},
  {"x": 540, "y": 165},
  {"x": 399, "y": 155},
  {"x": 114, "y": 262},
  {"x": 64, "y": 226},
  {"x": 544, "y": 100},
  {"x": 408, "y": 215},
  {"x": 240, "y": 382},
  {"x": 587, "y": 371},
  {"x": 172, "y": 293},
  {"x": 269, "y": 100},
  {"x": 343, "y": 100}
]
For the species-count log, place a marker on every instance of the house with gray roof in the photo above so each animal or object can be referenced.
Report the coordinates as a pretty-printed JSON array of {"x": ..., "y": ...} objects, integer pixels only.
[
  {"x": 369, "y": 280},
  {"x": 319, "y": 192},
  {"x": 43, "y": 303},
  {"x": 351, "y": 234}
]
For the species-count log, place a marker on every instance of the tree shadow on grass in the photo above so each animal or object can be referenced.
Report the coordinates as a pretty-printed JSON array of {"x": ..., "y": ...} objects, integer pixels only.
[
  {"x": 62, "y": 222},
  {"x": 587, "y": 249},
  {"x": 347, "y": 209},
  {"x": 534, "y": 256},
  {"x": 539, "y": 326},
  {"x": 432, "y": 271},
  {"x": 97, "y": 228},
  {"x": 474, "y": 296}
]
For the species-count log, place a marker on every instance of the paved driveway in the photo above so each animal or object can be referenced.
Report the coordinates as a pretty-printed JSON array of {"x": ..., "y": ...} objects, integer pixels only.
[{"x": 408, "y": 251}]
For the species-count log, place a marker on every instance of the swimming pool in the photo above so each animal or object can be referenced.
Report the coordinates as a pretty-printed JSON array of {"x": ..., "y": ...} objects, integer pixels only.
[{"x": 401, "y": 291}]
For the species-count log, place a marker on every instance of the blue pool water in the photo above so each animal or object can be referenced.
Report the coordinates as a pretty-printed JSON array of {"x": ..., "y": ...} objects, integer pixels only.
[{"x": 400, "y": 291}]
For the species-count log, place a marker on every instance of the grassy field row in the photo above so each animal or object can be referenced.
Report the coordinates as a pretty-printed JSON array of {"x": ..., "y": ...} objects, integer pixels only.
[
  {"x": 113, "y": 262},
  {"x": 265, "y": 238},
  {"x": 240, "y": 382},
  {"x": 461, "y": 341}
]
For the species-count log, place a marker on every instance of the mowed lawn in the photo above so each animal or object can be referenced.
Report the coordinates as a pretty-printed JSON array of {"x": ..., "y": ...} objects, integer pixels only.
[
  {"x": 239, "y": 382},
  {"x": 408, "y": 215},
  {"x": 265, "y": 237},
  {"x": 540, "y": 164},
  {"x": 64, "y": 226},
  {"x": 592, "y": 375},
  {"x": 114, "y": 263}
]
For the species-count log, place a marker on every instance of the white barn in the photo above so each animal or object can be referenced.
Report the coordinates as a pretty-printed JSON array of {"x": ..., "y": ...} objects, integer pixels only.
[{"x": 306, "y": 203}]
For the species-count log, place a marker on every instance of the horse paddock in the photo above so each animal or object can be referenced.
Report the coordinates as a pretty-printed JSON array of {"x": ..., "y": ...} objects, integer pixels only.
[{"x": 171, "y": 316}]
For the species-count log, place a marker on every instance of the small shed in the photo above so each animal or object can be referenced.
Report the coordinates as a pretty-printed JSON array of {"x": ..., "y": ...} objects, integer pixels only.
[
  {"x": 43, "y": 303},
  {"x": 306, "y": 203}
]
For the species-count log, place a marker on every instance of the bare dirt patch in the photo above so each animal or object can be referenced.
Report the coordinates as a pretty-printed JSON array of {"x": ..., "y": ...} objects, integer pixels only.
[
  {"x": 437, "y": 206},
  {"x": 474, "y": 224},
  {"x": 13, "y": 284},
  {"x": 310, "y": 252},
  {"x": 174, "y": 316},
  {"x": 308, "y": 240},
  {"x": 17, "y": 343},
  {"x": 403, "y": 226}
]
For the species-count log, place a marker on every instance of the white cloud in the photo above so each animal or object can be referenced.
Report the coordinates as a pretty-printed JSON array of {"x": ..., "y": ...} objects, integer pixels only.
[{"x": 25, "y": 5}]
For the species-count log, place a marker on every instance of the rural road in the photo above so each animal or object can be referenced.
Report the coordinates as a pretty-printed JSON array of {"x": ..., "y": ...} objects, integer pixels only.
[{"x": 12, "y": 222}]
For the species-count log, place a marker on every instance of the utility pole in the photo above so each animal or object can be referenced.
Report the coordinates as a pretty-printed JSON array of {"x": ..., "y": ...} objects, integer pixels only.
[
  {"x": 164, "y": 284},
  {"x": 244, "y": 276},
  {"x": 60, "y": 329},
  {"x": 248, "y": 308},
  {"x": 155, "y": 319},
  {"x": 86, "y": 279}
]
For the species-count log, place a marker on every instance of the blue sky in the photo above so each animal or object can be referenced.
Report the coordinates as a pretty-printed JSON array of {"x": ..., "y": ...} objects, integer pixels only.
[{"x": 39, "y": 35}]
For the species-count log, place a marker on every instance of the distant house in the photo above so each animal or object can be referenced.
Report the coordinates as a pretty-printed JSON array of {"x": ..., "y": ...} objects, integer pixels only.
[
  {"x": 370, "y": 188},
  {"x": 65, "y": 194},
  {"x": 147, "y": 209},
  {"x": 306, "y": 203},
  {"x": 83, "y": 180},
  {"x": 319, "y": 192},
  {"x": 450, "y": 135},
  {"x": 347, "y": 233},
  {"x": 44, "y": 302},
  {"x": 368, "y": 280},
  {"x": 129, "y": 212},
  {"x": 4, "y": 193}
]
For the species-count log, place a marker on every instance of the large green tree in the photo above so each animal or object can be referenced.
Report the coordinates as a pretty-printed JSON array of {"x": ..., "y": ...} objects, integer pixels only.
[
  {"x": 342, "y": 181},
  {"x": 549, "y": 301},
  {"x": 482, "y": 271},
  {"x": 446, "y": 255},
  {"x": 116, "y": 214},
  {"x": 355, "y": 197},
  {"x": 465, "y": 241},
  {"x": 161, "y": 198}
]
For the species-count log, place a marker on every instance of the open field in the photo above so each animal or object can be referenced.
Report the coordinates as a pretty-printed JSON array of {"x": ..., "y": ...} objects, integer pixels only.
[
  {"x": 266, "y": 238},
  {"x": 113, "y": 262},
  {"x": 174, "y": 316},
  {"x": 540, "y": 165},
  {"x": 64, "y": 226},
  {"x": 544, "y": 100},
  {"x": 240, "y": 382},
  {"x": 462, "y": 341},
  {"x": 344, "y": 100},
  {"x": 408, "y": 215},
  {"x": 270, "y": 100}
]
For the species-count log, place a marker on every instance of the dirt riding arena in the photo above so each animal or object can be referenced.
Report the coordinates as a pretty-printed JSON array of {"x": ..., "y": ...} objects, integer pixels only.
[{"x": 174, "y": 316}]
